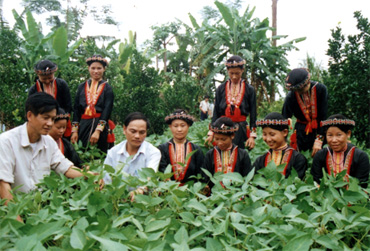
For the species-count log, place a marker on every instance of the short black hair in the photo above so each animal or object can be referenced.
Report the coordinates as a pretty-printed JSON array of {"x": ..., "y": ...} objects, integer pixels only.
[
  {"x": 136, "y": 116},
  {"x": 343, "y": 128},
  {"x": 40, "y": 103}
]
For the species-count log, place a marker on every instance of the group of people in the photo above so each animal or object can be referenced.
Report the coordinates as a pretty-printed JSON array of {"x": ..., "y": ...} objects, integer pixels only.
[{"x": 27, "y": 153}]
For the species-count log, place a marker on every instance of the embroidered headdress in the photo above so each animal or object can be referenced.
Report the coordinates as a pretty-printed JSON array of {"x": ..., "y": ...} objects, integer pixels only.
[
  {"x": 297, "y": 79},
  {"x": 340, "y": 121},
  {"x": 180, "y": 114},
  {"x": 275, "y": 121},
  {"x": 224, "y": 125},
  {"x": 61, "y": 114},
  {"x": 97, "y": 58},
  {"x": 235, "y": 61},
  {"x": 45, "y": 67}
]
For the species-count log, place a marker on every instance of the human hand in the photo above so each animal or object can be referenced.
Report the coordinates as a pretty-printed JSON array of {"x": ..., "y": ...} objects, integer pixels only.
[
  {"x": 74, "y": 137},
  {"x": 139, "y": 190},
  {"x": 250, "y": 143},
  {"x": 95, "y": 137}
]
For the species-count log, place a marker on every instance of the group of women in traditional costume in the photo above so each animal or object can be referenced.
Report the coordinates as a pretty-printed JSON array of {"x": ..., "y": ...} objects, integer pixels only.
[
  {"x": 229, "y": 131},
  {"x": 91, "y": 111}
]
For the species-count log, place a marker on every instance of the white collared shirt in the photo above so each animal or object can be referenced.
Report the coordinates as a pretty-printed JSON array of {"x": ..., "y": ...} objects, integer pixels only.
[
  {"x": 20, "y": 164},
  {"x": 146, "y": 156}
]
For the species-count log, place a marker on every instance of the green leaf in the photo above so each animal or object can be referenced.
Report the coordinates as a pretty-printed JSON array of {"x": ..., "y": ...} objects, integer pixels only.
[
  {"x": 198, "y": 206},
  {"x": 181, "y": 235},
  {"x": 78, "y": 238},
  {"x": 109, "y": 245},
  {"x": 300, "y": 243},
  {"x": 157, "y": 225},
  {"x": 60, "y": 41},
  {"x": 213, "y": 245},
  {"x": 226, "y": 13}
]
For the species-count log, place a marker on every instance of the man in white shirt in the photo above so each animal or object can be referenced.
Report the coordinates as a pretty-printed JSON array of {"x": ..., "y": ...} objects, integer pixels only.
[
  {"x": 28, "y": 153},
  {"x": 204, "y": 107},
  {"x": 142, "y": 153}
]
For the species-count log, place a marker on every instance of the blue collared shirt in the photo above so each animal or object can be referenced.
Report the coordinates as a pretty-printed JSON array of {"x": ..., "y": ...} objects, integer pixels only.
[{"x": 146, "y": 156}]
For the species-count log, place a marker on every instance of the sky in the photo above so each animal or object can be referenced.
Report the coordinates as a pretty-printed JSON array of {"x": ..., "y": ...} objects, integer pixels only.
[{"x": 313, "y": 19}]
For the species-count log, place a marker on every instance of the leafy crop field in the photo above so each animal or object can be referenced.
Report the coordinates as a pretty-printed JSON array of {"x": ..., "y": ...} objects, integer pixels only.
[{"x": 260, "y": 212}]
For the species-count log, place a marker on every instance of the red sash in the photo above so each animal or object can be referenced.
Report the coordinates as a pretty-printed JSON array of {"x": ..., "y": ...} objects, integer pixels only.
[
  {"x": 92, "y": 99},
  {"x": 179, "y": 170},
  {"x": 230, "y": 166},
  {"x": 330, "y": 167},
  {"x": 286, "y": 159},
  {"x": 39, "y": 88},
  {"x": 308, "y": 107},
  {"x": 234, "y": 115}
]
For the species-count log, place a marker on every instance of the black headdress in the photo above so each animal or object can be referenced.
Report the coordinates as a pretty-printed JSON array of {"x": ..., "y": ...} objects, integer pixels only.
[
  {"x": 297, "y": 79},
  {"x": 45, "y": 67},
  {"x": 180, "y": 114}
]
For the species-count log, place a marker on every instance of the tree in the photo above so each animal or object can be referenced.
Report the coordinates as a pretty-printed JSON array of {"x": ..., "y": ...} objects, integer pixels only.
[
  {"x": 242, "y": 35},
  {"x": 348, "y": 76},
  {"x": 74, "y": 14},
  {"x": 14, "y": 83},
  {"x": 140, "y": 92}
]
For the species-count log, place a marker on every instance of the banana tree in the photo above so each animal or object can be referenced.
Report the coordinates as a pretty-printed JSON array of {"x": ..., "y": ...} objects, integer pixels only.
[
  {"x": 36, "y": 46},
  {"x": 243, "y": 35}
]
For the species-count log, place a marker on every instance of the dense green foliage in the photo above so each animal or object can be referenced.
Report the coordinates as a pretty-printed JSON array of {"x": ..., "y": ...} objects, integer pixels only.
[
  {"x": 266, "y": 211},
  {"x": 13, "y": 82},
  {"x": 348, "y": 77}
]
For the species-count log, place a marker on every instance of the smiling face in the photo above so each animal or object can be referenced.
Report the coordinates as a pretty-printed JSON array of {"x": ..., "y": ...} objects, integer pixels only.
[
  {"x": 58, "y": 129},
  {"x": 135, "y": 133},
  {"x": 274, "y": 138},
  {"x": 96, "y": 71},
  {"x": 179, "y": 129},
  {"x": 223, "y": 141},
  {"x": 40, "y": 124},
  {"x": 337, "y": 139},
  {"x": 46, "y": 79},
  {"x": 235, "y": 74}
]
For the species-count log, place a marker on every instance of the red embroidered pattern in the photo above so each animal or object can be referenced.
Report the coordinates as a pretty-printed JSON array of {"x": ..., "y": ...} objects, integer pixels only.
[
  {"x": 92, "y": 98},
  {"x": 177, "y": 158},
  {"x": 285, "y": 160},
  {"x": 309, "y": 108},
  {"x": 222, "y": 165},
  {"x": 331, "y": 167},
  {"x": 236, "y": 101},
  {"x": 52, "y": 91}
]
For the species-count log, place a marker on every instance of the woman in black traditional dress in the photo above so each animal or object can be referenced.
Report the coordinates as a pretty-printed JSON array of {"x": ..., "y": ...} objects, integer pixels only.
[
  {"x": 56, "y": 87},
  {"x": 226, "y": 157},
  {"x": 275, "y": 132},
  {"x": 307, "y": 100},
  {"x": 93, "y": 106},
  {"x": 236, "y": 99},
  {"x": 176, "y": 151},
  {"x": 340, "y": 155},
  {"x": 57, "y": 131}
]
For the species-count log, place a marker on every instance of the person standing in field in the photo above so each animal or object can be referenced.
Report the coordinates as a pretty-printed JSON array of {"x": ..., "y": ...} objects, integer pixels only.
[
  {"x": 307, "y": 100},
  {"x": 236, "y": 99}
]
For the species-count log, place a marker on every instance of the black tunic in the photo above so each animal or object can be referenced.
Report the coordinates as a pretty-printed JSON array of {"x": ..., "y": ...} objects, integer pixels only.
[
  {"x": 297, "y": 161},
  {"x": 360, "y": 166},
  {"x": 196, "y": 162},
  {"x": 71, "y": 154},
  {"x": 104, "y": 106},
  {"x": 63, "y": 94},
  {"x": 248, "y": 107},
  {"x": 291, "y": 107},
  {"x": 243, "y": 163}
]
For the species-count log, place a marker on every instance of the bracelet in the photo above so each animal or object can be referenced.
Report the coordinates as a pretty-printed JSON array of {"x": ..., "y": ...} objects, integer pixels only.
[
  {"x": 101, "y": 125},
  {"x": 75, "y": 126},
  {"x": 317, "y": 144}
]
